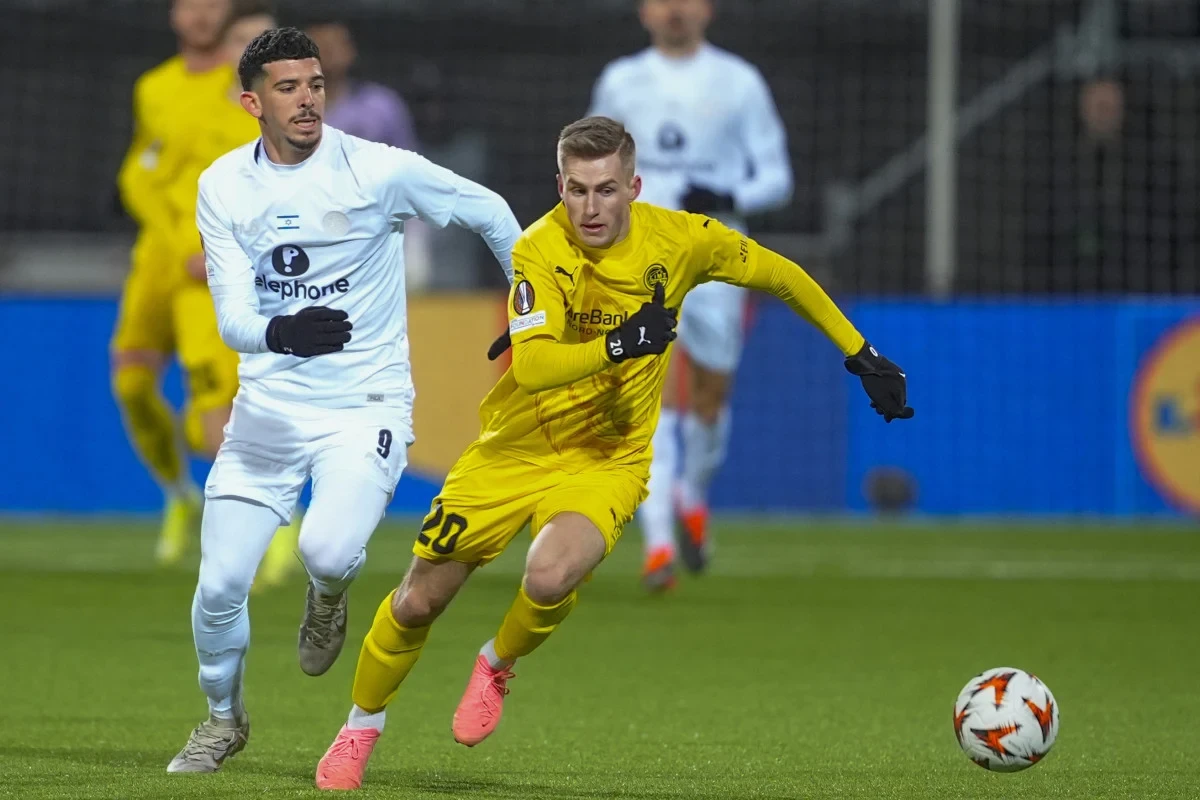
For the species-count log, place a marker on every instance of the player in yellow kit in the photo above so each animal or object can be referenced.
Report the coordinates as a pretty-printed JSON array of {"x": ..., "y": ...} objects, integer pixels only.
[
  {"x": 220, "y": 125},
  {"x": 565, "y": 440},
  {"x": 164, "y": 101}
]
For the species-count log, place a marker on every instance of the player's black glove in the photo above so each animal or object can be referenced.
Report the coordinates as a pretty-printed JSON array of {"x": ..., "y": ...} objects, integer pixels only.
[
  {"x": 650, "y": 329},
  {"x": 699, "y": 200},
  {"x": 502, "y": 343},
  {"x": 647, "y": 332},
  {"x": 883, "y": 381},
  {"x": 313, "y": 331}
]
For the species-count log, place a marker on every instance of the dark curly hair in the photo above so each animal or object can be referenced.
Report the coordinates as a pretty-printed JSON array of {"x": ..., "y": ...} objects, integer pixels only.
[{"x": 277, "y": 44}]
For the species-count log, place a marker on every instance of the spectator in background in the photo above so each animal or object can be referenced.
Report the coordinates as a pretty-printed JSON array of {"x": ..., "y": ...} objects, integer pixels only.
[
  {"x": 1100, "y": 181},
  {"x": 370, "y": 111},
  {"x": 1133, "y": 211}
]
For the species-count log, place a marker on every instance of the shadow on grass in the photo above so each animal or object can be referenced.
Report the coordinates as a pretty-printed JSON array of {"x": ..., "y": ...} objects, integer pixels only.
[{"x": 130, "y": 767}]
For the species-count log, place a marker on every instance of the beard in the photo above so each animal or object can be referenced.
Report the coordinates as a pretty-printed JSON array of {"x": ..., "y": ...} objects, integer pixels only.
[{"x": 305, "y": 145}]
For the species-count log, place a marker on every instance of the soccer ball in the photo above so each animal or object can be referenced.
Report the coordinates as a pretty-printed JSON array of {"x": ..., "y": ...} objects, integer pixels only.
[{"x": 1005, "y": 719}]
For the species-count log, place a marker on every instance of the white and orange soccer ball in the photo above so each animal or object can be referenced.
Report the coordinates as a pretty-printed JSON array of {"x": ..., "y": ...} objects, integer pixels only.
[{"x": 1006, "y": 719}]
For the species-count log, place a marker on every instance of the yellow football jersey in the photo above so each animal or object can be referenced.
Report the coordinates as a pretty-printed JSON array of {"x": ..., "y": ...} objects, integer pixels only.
[
  {"x": 220, "y": 126},
  {"x": 572, "y": 294},
  {"x": 165, "y": 100}
]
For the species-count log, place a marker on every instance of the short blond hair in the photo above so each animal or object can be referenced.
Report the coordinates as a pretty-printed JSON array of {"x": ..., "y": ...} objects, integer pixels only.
[{"x": 597, "y": 137}]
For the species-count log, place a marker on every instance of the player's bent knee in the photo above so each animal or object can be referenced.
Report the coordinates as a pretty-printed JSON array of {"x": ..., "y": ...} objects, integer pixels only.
[
  {"x": 710, "y": 396},
  {"x": 677, "y": 372},
  {"x": 709, "y": 414},
  {"x": 133, "y": 370},
  {"x": 133, "y": 381},
  {"x": 416, "y": 606},
  {"x": 548, "y": 584},
  {"x": 329, "y": 560}
]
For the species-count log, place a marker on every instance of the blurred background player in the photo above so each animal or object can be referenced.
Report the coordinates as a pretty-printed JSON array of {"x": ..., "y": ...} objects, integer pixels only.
[
  {"x": 164, "y": 100},
  {"x": 711, "y": 142},
  {"x": 220, "y": 125},
  {"x": 369, "y": 111}
]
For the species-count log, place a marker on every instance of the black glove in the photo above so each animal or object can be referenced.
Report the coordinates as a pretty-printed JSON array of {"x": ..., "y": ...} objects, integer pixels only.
[
  {"x": 312, "y": 331},
  {"x": 502, "y": 343},
  {"x": 647, "y": 332},
  {"x": 653, "y": 323},
  {"x": 699, "y": 200},
  {"x": 883, "y": 382}
]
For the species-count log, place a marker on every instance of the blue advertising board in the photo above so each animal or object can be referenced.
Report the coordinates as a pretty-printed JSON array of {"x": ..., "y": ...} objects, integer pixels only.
[{"x": 1023, "y": 407}]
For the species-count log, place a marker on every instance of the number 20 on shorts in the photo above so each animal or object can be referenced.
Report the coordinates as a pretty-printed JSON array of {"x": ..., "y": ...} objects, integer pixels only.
[{"x": 441, "y": 531}]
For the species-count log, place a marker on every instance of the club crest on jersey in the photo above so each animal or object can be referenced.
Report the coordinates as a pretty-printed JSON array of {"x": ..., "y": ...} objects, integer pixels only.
[
  {"x": 523, "y": 298},
  {"x": 289, "y": 260},
  {"x": 336, "y": 223},
  {"x": 656, "y": 275},
  {"x": 670, "y": 137}
]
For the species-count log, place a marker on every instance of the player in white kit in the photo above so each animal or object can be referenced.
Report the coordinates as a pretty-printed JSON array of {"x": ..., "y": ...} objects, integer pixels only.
[
  {"x": 303, "y": 239},
  {"x": 709, "y": 141}
]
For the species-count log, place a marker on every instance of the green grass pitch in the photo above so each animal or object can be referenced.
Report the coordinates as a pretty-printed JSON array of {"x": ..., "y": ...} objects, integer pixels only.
[{"x": 817, "y": 660}]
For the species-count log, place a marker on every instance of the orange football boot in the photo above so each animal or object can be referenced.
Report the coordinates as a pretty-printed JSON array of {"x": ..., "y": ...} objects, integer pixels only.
[
  {"x": 658, "y": 573},
  {"x": 345, "y": 761},
  {"x": 478, "y": 712}
]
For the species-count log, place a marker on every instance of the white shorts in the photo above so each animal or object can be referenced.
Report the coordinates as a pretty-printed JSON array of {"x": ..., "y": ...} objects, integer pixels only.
[
  {"x": 273, "y": 447},
  {"x": 711, "y": 325}
]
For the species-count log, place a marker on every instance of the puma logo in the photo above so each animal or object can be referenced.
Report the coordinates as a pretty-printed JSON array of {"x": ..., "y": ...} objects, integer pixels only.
[
  {"x": 560, "y": 271},
  {"x": 642, "y": 335}
]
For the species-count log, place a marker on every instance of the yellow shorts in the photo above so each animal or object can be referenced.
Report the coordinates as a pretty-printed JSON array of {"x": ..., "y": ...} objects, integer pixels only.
[
  {"x": 211, "y": 367},
  {"x": 488, "y": 498},
  {"x": 144, "y": 319}
]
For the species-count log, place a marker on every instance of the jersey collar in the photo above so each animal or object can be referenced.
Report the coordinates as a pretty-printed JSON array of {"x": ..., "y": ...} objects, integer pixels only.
[
  {"x": 263, "y": 161},
  {"x": 630, "y": 244},
  {"x": 680, "y": 62}
]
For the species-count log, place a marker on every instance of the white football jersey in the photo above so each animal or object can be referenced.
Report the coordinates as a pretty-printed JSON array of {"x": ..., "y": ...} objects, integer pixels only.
[
  {"x": 706, "y": 120},
  {"x": 329, "y": 232}
]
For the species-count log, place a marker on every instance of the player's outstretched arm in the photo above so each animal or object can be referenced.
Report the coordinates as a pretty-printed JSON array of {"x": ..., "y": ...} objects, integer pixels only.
[
  {"x": 310, "y": 332},
  {"x": 481, "y": 210},
  {"x": 416, "y": 187},
  {"x": 737, "y": 259}
]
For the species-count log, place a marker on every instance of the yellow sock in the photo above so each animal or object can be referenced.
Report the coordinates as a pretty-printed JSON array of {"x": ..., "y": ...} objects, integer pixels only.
[
  {"x": 388, "y": 653},
  {"x": 150, "y": 423},
  {"x": 527, "y": 625}
]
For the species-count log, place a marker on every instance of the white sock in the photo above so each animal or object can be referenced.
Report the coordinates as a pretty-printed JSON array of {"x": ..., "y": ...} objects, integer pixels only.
[
  {"x": 230, "y": 707},
  {"x": 233, "y": 537},
  {"x": 703, "y": 451},
  {"x": 221, "y": 644},
  {"x": 363, "y": 721},
  {"x": 656, "y": 514},
  {"x": 488, "y": 651}
]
